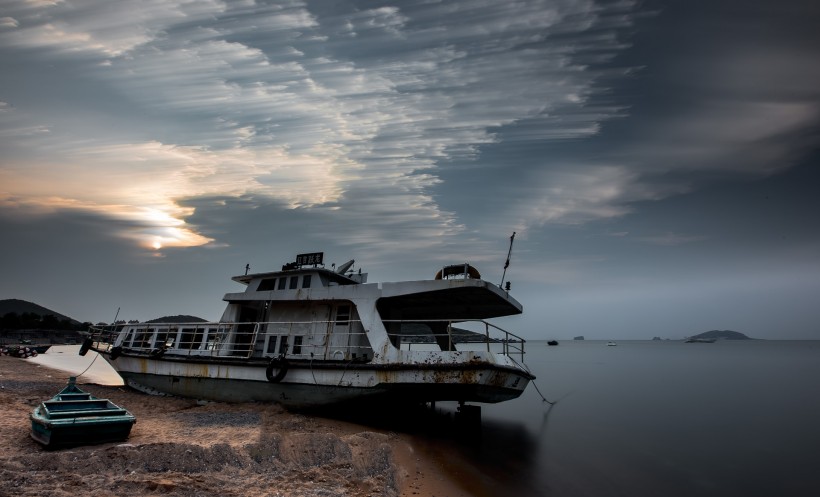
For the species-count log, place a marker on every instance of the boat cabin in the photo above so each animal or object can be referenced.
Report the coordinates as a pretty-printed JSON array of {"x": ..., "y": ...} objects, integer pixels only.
[{"x": 316, "y": 314}]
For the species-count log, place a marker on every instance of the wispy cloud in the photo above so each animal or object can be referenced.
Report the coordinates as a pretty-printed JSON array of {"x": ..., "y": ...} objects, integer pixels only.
[
  {"x": 670, "y": 239},
  {"x": 311, "y": 106},
  {"x": 359, "y": 110},
  {"x": 8, "y": 22},
  {"x": 733, "y": 102},
  {"x": 99, "y": 28}
]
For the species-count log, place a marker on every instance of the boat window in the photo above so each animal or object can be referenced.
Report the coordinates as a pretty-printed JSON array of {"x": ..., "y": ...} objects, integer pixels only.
[
  {"x": 282, "y": 282},
  {"x": 127, "y": 340},
  {"x": 196, "y": 343},
  {"x": 171, "y": 339},
  {"x": 342, "y": 315},
  {"x": 297, "y": 344},
  {"x": 267, "y": 284},
  {"x": 306, "y": 281},
  {"x": 271, "y": 345},
  {"x": 211, "y": 339},
  {"x": 283, "y": 345},
  {"x": 186, "y": 341},
  {"x": 294, "y": 282},
  {"x": 142, "y": 337},
  {"x": 162, "y": 337}
]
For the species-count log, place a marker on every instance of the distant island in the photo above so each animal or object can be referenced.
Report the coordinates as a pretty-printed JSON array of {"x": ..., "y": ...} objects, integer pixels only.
[{"x": 721, "y": 335}]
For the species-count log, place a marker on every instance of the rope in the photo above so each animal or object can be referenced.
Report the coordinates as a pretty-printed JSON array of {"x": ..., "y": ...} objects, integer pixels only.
[
  {"x": 542, "y": 395},
  {"x": 524, "y": 367},
  {"x": 89, "y": 366},
  {"x": 114, "y": 325},
  {"x": 311, "y": 370},
  {"x": 344, "y": 371}
]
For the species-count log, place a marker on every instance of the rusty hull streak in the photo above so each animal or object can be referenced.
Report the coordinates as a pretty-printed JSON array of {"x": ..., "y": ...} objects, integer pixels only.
[
  {"x": 497, "y": 380},
  {"x": 477, "y": 360},
  {"x": 385, "y": 376}
]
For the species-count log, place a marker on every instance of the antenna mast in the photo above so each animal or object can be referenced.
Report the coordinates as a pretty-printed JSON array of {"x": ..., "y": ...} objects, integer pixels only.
[{"x": 507, "y": 264}]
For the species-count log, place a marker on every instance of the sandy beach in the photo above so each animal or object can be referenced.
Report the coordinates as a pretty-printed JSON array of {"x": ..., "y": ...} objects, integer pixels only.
[{"x": 189, "y": 448}]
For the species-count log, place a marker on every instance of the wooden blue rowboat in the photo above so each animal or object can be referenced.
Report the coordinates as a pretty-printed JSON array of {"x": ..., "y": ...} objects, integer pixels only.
[{"x": 74, "y": 417}]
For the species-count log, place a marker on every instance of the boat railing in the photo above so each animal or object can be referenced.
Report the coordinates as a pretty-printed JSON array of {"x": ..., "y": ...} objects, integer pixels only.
[
  {"x": 326, "y": 340},
  {"x": 299, "y": 339},
  {"x": 454, "y": 335}
]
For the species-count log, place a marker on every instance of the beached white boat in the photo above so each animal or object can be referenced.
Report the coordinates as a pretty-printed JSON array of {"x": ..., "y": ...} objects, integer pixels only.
[{"x": 307, "y": 336}]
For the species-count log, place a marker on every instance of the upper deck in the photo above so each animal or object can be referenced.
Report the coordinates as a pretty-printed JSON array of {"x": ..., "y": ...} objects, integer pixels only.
[
  {"x": 445, "y": 298},
  {"x": 292, "y": 279}
]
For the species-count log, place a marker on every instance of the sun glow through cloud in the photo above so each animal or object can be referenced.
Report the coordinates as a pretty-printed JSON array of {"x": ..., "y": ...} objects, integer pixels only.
[
  {"x": 624, "y": 141},
  {"x": 279, "y": 115},
  {"x": 142, "y": 110}
]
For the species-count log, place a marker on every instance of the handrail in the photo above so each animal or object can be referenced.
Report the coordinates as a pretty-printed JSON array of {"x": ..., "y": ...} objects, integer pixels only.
[
  {"x": 244, "y": 338},
  {"x": 227, "y": 339},
  {"x": 510, "y": 342}
]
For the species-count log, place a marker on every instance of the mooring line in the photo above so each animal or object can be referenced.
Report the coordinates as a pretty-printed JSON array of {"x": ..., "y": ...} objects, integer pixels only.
[
  {"x": 542, "y": 395},
  {"x": 89, "y": 366}
]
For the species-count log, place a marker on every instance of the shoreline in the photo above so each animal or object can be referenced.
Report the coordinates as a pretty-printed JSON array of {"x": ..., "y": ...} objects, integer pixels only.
[{"x": 262, "y": 445}]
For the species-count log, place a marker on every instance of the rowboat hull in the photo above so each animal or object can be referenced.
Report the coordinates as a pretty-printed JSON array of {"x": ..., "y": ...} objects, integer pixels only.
[
  {"x": 73, "y": 417},
  {"x": 79, "y": 432}
]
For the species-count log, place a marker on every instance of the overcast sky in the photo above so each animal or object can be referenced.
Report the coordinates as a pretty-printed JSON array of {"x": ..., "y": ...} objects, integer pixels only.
[{"x": 658, "y": 160}]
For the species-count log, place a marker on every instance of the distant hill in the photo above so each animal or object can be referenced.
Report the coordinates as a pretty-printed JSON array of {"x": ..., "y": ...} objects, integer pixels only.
[
  {"x": 723, "y": 334},
  {"x": 178, "y": 319},
  {"x": 20, "y": 307},
  {"x": 26, "y": 322}
]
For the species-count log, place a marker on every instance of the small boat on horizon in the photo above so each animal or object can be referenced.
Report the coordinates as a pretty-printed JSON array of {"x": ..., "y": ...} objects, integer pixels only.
[
  {"x": 611, "y": 344},
  {"x": 308, "y": 336}
]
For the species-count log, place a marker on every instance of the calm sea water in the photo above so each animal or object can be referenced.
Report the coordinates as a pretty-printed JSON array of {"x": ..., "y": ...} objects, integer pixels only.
[
  {"x": 644, "y": 418},
  {"x": 658, "y": 418}
]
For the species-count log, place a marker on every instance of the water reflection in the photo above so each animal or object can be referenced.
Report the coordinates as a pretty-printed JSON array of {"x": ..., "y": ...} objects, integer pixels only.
[{"x": 644, "y": 418}]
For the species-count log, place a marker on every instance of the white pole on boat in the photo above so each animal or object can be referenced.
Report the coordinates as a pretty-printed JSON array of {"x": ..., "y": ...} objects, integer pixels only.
[
  {"x": 507, "y": 263},
  {"x": 114, "y": 324}
]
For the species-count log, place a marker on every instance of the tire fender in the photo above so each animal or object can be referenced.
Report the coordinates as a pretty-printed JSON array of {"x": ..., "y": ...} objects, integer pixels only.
[
  {"x": 86, "y": 346},
  {"x": 277, "y": 369}
]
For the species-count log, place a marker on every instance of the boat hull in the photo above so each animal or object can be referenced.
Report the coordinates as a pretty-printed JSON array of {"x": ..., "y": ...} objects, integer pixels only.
[
  {"x": 304, "y": 386},
  {"x": 75, "y": 432},
  {"x": 74, "y": 417}
]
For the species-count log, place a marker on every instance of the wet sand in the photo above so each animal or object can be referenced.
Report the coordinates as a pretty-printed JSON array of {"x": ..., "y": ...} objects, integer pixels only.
[{"x": 188, "y": 448}]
